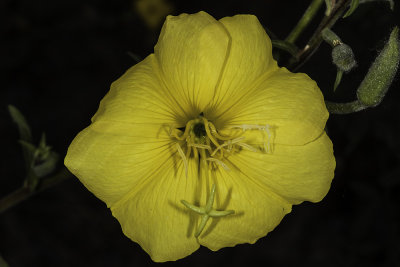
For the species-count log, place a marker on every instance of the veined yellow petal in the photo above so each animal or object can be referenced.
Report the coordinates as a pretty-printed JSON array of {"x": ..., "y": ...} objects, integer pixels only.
[
  {"x": 257, "y": 211},
  {"x": 153, "y": 216},
  {"x": 138, "y": 96},
  {"x": 135, "y": 157},
  {"x": 129, "y": 130},
  {"x": 111, "y": 158},
  {"x": 191, "y": 53},
  {"x": 250, "y": 56},
  {"x": 297, "y": 173},
  {"x": 291, "y": 104}
]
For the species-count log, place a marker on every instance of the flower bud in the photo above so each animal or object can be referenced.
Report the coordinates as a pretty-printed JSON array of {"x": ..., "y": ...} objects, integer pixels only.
[
  {"x": 381, "y": 73},
  {"x": 343, "y": 57},
  {"x": 342, "y": 54}
]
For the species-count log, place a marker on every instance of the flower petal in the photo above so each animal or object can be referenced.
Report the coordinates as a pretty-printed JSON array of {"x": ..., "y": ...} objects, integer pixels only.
[
  {"x": 128, "y": 131},
  {"x": 138, "y": 96},
  {"x": 291, "y": 103},
  {"x": 111, "y": 158},
  {"x": 297, "y": 173},
  {"x": 153, "y": 216},
  {"x": 257, "y": 211},
  {"x": 250, "y": 56},
  {"x": 191, "y": 52}
]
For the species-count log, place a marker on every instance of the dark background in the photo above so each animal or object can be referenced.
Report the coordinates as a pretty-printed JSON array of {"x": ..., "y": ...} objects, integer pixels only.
[{"x": 57, "y": 60}]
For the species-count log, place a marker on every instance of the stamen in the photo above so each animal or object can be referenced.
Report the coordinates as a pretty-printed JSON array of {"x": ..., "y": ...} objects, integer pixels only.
[
  {"x": 265, "y": 129},
  {"x": 219, "y": 162},
  {"x": 216, "y": 134},
  {"x": 195, "y": 152},
  {"x": 185, "y": 162},
  {"x": 249, "y": 147},
  {"x": 203, "y": 159},
  {"x": 174, "y": 133},
  {"x": 200, "y": 146},
  {"x": 228, "y": 143},
  {"x": 246, "y": 127},
  {"x": 185, "y": 134},
  {"x": 201, "y": 137},
  {"x": 188, "y": 151},
  {"x": 209, "y": 135},
  {"x": 267, "y": 144}
]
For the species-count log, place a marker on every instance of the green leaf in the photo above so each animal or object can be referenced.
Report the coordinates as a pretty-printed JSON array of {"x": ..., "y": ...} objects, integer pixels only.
[
  {"x": 19, "y": 119},
  {"x": 353, "y": 6},
  {"x": 328, "y": 10},
  {"x": 42, "y": 142},
  {"x": 46, "y": 167},
  {"x": 43, "y": 149},
  {"x": 338, "y": 79}
]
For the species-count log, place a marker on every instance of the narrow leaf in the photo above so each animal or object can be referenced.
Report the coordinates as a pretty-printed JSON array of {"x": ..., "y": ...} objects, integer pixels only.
[
  {"x": 353, "y": 7},
  {"x": 339, "y": 75},
  {"x": 328, "y": 10},
  {"x": 19, "y": 119},
  {"x": 48, "y": 166}
]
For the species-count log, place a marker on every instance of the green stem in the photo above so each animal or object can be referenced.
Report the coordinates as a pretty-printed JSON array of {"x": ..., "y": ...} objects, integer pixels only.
[
  {"x": 304, "y": 21},
  {"x": 309, "y": 49},
  {"x": 330, "y": 37},
  {"x": 25, "y": 192},
  {"x": 285, "y": 46},
  {"x": 344, "y": 108}
]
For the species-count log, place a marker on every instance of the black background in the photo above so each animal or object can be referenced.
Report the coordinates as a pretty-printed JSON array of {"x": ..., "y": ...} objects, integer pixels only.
[{"x": 57, "y": 60}]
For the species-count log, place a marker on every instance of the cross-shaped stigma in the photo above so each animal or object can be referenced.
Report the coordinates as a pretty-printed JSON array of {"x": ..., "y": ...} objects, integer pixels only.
[{"x": 207, "y": 211}]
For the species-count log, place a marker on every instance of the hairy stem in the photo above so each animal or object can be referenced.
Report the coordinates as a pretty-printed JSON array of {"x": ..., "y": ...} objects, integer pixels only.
[{"x": 344, "y": 108}]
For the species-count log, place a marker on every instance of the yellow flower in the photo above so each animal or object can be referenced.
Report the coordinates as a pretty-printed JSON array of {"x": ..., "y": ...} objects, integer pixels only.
[{"x": 207, "y": 141}]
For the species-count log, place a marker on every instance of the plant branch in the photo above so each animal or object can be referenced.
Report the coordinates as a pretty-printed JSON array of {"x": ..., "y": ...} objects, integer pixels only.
[
  {"x": 304, "y": 21},
  {"x": 316, "y": 39},
  {"x": 25, "y": 192},
  {"x": 344, "y": 108}
]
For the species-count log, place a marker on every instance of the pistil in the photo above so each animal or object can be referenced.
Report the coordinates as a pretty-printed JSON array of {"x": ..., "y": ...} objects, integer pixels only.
[{"x": 211, "y": 148}]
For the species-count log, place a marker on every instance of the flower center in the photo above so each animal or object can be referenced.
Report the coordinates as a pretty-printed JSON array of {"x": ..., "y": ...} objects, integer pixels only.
[
  {"x": 200, "y": 139},
  {"x": 199, "y": 130}
]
